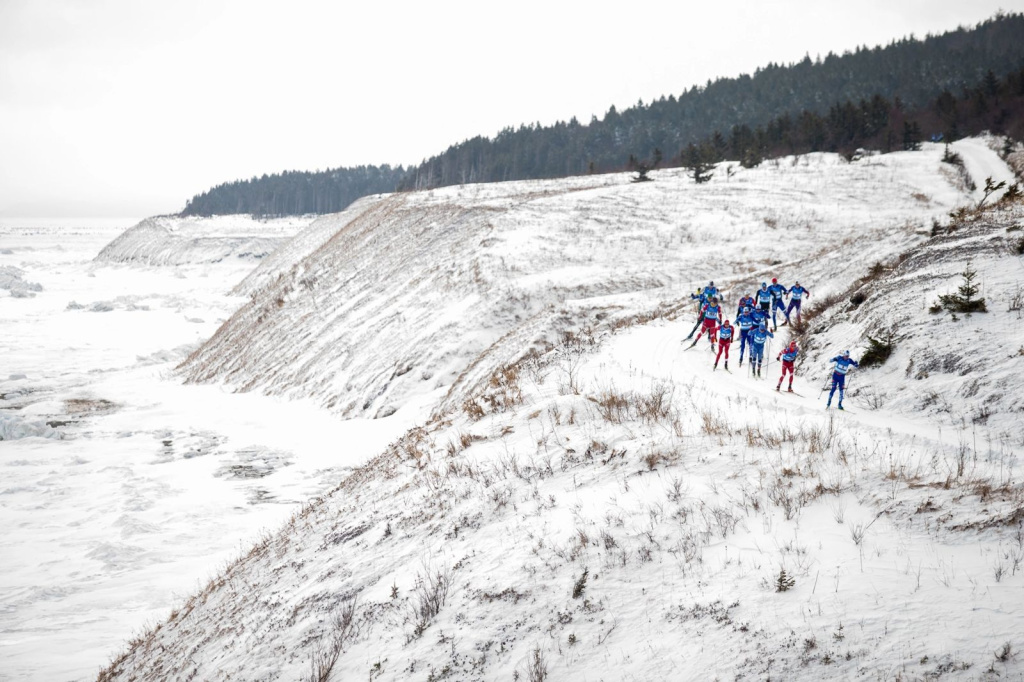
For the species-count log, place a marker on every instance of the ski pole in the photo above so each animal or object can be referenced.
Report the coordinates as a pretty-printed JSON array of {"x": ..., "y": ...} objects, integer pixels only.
[{"x": 824, "y": 386}]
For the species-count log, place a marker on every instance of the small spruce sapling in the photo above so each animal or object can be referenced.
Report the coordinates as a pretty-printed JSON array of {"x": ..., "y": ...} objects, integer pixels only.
[
  {"x": 966, "y": 299},
  {"x": 784, "y": 582}
]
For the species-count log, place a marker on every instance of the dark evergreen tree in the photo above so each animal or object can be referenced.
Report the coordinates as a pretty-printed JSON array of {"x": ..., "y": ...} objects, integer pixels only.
[
  {"x": 911, "y": 136},
  {"x": 966, "y": 299},
  {"x": 696, "y": 161}
]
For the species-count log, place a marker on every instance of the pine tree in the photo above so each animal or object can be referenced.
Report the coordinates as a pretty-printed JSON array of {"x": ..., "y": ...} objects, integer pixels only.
[
  {"x": 695, "y": 161},
  {"x": 965, "y": 301},
  {"x": 911, "y": 136}
]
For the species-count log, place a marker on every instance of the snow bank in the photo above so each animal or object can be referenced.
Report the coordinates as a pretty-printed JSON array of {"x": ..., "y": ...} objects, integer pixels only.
[
  {"x": 12, "y": 279},
  {"x": 175, "y": 240},
  {"x": 13, "y": 427}
]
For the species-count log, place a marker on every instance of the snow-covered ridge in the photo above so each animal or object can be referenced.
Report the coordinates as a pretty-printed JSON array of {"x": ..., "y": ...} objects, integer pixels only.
[
  {"x": 410, "y": 291},
  {"x": 601, "y": 504},
  {"x": 176, "y": 240}
]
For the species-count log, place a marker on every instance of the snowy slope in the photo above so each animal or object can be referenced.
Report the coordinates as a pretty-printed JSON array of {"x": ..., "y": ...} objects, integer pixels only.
[
  {"x": 957, "y": 369},
  {"x": 301, "y": 245},
  {"x": 413, "y": 288},
  {"x": 174, "y": 240},
  {"x": 591, "y": 500}
]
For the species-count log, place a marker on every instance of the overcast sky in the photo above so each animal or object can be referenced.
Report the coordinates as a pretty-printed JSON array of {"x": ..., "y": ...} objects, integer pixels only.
[{"x": 127, "y": 108}]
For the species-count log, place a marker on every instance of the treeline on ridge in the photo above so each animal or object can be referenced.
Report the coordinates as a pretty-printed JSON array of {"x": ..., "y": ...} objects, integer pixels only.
[
  {"x": 296, "y": 192},
  {"x": 882, "y": 97},
  {"x": 995, "y": 105}
]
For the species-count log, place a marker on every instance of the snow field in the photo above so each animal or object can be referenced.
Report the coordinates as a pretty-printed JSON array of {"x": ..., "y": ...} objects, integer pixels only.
[
  {"x": 679, "y": 493},
  {"x": 589, "y": 500}
]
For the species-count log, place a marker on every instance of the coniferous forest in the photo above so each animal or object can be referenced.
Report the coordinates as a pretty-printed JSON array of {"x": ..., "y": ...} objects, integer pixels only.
[{"x": 884, "y": 98}]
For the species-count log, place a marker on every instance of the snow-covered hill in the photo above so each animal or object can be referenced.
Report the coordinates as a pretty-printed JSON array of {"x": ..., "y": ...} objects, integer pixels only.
[
  {"x": 401, "y": 295},
  {"x": 174, "y": 240},
  {"x": 958, "y": 369},
  {"x": 591, "y": 500}
]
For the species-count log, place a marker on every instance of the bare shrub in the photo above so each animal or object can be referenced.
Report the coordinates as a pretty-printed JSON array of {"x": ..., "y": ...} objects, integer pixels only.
[
  {"x": 857, "y": 532},
  {"x": 656, "y": 405},
  {"x": 790, "y": 499},
  {"x": 325, "y": 656},
  {"x": 839, "y": 511},
  {"x": 613, "y": 407},
  {"x": 713, "y": 424},
  {"x": 1016, "y": 301},
  {"x": 430, "y": 593},
  {"x": 758, "y": 437},
  {"x": 652, "y": 407},
  {"x": 536, "y": 666},
  {"x": 504, "y": 392}
]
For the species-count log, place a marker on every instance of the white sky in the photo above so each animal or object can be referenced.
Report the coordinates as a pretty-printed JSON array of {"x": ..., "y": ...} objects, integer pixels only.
[{"x": 130, "y": 107}]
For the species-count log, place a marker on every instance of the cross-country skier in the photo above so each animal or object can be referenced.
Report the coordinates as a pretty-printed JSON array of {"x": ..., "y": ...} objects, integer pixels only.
[
  {"x": 702, "y": 298},
  {"x": 711, "y": 313},
  {"x": 788, "y": 355},
  {"x": 757, "y": 339},
  {"x": 725, "y": 333},
  {"x": 777, "y": 291},
  {"x": 796, "y": 295},
  {"x": 746, "y": 322},
  {"x": 843, "y": 363},
  {"x": 711, "y": 291},
  {"x": 759, "y": 316},
  {"x": 745, "y": 302},
  {"x": 764, "y": 298}
]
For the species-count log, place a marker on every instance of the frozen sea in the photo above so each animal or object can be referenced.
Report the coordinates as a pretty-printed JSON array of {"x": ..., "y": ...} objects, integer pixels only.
[{"x": 121, "y": 489}]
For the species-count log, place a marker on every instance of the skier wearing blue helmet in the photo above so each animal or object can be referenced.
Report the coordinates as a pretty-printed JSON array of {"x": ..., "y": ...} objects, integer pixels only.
[
  {"x": 796, "y": 296},
  {"x": 757, "y": 339},
  {"x": 764, "y": 298},
  {"x": 777, "y": 291},
  {"x": 746, "y": 322},
  {"x": 842, "y": 366}
]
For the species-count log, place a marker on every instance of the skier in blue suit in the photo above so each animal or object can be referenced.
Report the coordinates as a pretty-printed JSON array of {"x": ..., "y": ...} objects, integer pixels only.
[
  {"x": 745, "y": 302},
  {"x": 757, "y": 339},
  {"x": 764, "y": 298},
  {"x": 778, "y": 291},
  {"x": 843, "y": 363},
  {"x": 746, "y": 323},
  {"x": 759, "y": 316},
  {"x": 796, "y": 296}
]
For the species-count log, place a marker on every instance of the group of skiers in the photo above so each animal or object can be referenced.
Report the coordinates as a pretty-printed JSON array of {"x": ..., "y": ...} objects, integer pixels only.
[{"x": 753, "y": 313}]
